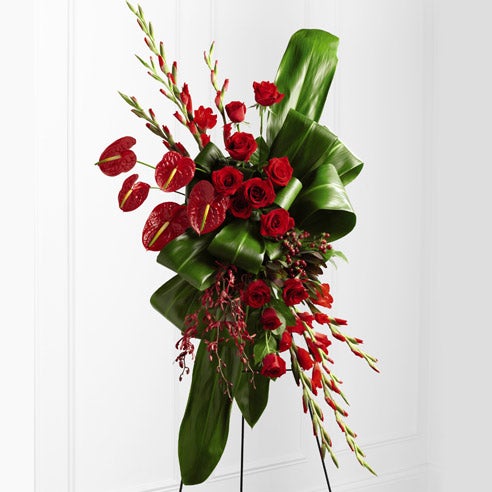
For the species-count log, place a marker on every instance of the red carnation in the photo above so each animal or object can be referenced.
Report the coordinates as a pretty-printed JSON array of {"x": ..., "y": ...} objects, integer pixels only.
[
  {"x": 241, "y": 145},
  {"x": 276, "y": 223},
  {"x": 227, "y": 180},
  {"x": 294, "y": 292},
  {"x": 257, "y": 294},
  {"x": 273, "y": 366},
  {"x": 269, "y": 319},
  {"x": 266, "y": 93},
  {"x": 236, "y": 111},
  {"x": 132, "y": 193},
  {"x": 259, "y": 192},
  {"x": 304, "y": 358},
  {"x": 205, "y": 118},
  {"x": 324, "y": 297},
  {"x": 285, "y": 342},
  {"x": 279, "y": 170}
]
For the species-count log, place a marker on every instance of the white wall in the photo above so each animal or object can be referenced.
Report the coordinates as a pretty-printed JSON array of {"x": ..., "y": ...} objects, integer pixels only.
[{"x": 94, "y": 402}]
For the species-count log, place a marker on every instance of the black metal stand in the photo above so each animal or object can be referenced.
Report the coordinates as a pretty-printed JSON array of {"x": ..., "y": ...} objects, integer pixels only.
[{"x": 241, "y": 474}]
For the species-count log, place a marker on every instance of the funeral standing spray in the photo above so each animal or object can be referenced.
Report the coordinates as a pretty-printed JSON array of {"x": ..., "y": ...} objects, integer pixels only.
[{"x": 248, "y": 241}]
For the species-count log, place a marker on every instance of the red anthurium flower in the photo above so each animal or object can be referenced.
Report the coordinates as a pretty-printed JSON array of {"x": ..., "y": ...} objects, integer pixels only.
[
  {"x": 132, "y": 194},
  {"x": 117, "y": 158},
  {"x": 304, "y": 358},
  {"x": 294, "y": 292},
  {"x": 324, "y": 298},
  {"x": 236, "y": 111},
  {"x": 269, "y": 319},
  {"x": 174, "y": 171},
  {"x": 285, "y": 342},
  {"x": 227, "y": 180},
  {"x": 266, "y": 93},
  {"x": 273, "y": 366},
  {"x": 206, "y": 209},
  {"x": 166, "y": 222},
  {"x": 276, "y": 223},
  {"x": 205, "y": 118},
  {"x": 279, "y": 170}
]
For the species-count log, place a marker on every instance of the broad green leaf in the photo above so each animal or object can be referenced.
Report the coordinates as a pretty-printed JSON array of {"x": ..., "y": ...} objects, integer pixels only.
[
  {"x": 175, "y": 299},
  {"x": 265, "y": 344},
  {"x": 304, "y": 76},
  {"x": 309, "y": 145},
  {"x": 324, "y": 205},
  {"x": 261, "y": 153},
  {"x": 286, "y": 196},
  {"x": 205, "y": 425},
  {"x": 208, "y": 157},
  {"x": 187, "y": 256},
  {"x": 273, "y": 249},
  {"x": 238, "y": 243},
  {"x": 252, "y": 396},
  {"x": 284, "y": 310}
]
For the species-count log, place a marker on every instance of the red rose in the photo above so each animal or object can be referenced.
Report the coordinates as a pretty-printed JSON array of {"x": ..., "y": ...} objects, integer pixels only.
[
  {"x": 236, "y": 111},
  {"x": 256, "y": 294},
  {"x": 285, "y": 342},
  {"x": 276, "y": 223},
  {"x": 240, "y": 207},
  {"x": 259, "y": 192},
  {"x": 205, "y": 118},
  {"x": 132, "y": 193},
  {"x": 324, "y": 297},
  {"x": 269, "y": 319},
  {"x": 294, "y": 292},
  {"x": 279, "y": 170},
  {"x": 227, "y": 180},
  {"x": 273, "y": 366},
  {"x": 241, "y": 146},
  {"x": 304, "y": 358},
  {"x": 266, "y": 93}
]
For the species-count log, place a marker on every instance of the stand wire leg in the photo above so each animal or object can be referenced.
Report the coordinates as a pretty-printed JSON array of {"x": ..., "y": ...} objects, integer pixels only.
[
  {"x": 242, "y": 456},
  {"x": 181, "y": 486},
  {"x": 321, "y": 457}
]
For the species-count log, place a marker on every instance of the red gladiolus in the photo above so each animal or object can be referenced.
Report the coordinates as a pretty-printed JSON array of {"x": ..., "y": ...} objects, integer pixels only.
[
  {"x": 279, "y": 170},
  {"x": 257, "y": 294},
  {"x": 285, "y": 342},
  {"x": 307, "y": 318},
  {"x": 117, "y": 158},
  {"x": 132, "y": 194},
  {"x": 174, "y": 171},
  {"x": 227, "y": 180},
  {"x": 304, "y": 358},
  {"x": 273, "y": 366},
  {"x": 236, "y": 111},
  {"x": 204, "y": 139},
  {"x": 269, "y": 319},
  {"x": 186, "y": 99},
  {"x": 317, "y": 379},
  {"x": 166, "y": 222},
  {"x": 205, "y": 118},
  {"x": 266, "y": 93},
  {"x": 206, "y": 209},
  {"x": 339, "y": 321},
  {"x": 322, "y": 318},
  {"x": 298, "y": 328},
  {"x": 324, "y": 297}
]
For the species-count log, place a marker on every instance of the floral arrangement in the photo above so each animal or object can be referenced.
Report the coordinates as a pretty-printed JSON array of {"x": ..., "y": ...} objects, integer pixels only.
[{"x": 248, "y": 239}]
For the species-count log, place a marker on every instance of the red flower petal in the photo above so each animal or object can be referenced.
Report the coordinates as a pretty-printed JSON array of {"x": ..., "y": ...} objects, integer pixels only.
[
  {"x": 166, "y": 222},
  {"x": 206, "y": 209},
  {"x": 117, "y": 158},
  {"x": 132, "y": 194},
  {"x": 174, "y": 171}
]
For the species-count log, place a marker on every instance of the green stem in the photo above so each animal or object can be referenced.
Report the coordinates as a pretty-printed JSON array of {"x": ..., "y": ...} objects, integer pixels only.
[{"x": 145, "y": 164}]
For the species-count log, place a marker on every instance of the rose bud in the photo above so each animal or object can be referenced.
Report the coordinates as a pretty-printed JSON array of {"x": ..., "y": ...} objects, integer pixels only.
[
  {"x": 279, "y": 170},
  {"x": 236, "y": 111},
  {"x": 273, "y": 366},
  {"x": 294, "y": 292},
  {"x": 276, "y": 223},
  {"x": 266, "y": 93},
  {"x": 269, "y": 319},
  {"x": 132, "y": 194},
  {"x": 227, "y": 180}
]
